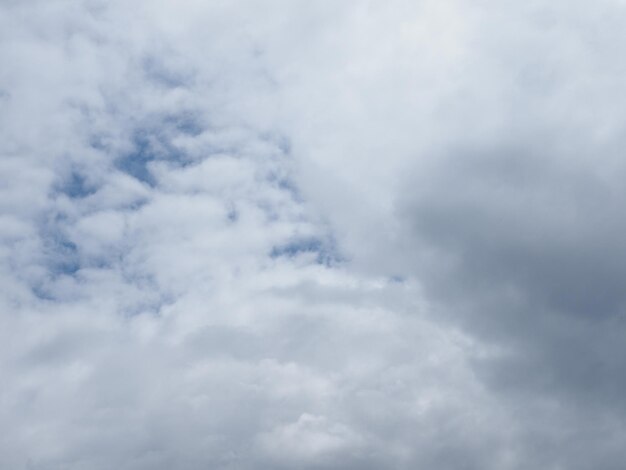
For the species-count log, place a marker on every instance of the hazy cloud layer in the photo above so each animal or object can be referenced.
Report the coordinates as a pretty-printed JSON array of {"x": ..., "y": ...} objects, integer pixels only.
[{"x": 312, "y": 235}]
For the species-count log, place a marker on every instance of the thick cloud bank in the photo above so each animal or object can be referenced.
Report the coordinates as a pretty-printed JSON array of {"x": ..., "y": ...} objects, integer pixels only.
[{"x": 315, "y": 235}]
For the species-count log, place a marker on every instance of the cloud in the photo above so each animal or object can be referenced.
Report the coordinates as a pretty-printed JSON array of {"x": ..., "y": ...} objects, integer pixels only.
[{"x": 293, "y": 234}]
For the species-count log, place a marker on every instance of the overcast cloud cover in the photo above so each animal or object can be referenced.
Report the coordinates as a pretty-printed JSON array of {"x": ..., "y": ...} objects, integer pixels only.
[{"x": 276, "y": 234}]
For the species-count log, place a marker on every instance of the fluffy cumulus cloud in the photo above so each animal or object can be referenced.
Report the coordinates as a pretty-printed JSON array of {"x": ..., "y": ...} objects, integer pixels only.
[{"x": 320, "y": 235}]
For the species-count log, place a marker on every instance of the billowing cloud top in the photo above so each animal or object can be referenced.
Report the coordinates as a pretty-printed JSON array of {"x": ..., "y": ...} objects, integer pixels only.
[{"x": 315, "y": 235}]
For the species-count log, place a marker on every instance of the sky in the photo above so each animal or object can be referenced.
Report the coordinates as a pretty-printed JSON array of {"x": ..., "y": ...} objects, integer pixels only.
[{"x": 285, "y": 234}]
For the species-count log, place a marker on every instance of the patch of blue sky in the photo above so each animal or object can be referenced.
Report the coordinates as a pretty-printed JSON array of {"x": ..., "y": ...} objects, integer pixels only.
[
  {"x": 62, "y": 255},
  {"x": 76, "y": 186},
  {"x": 324, "y": 251},
  {"x": 285, "y": 182},
  {"x": 184, "y": 123},
  {"x": 42, "y": 292},
  {"x": 136, "y": 162},
  {"x": 155, "y": 144}
]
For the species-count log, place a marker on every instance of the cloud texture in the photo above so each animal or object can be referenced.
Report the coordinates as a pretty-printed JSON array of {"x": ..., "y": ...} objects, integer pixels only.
[{"x": 313, "y": 235}]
